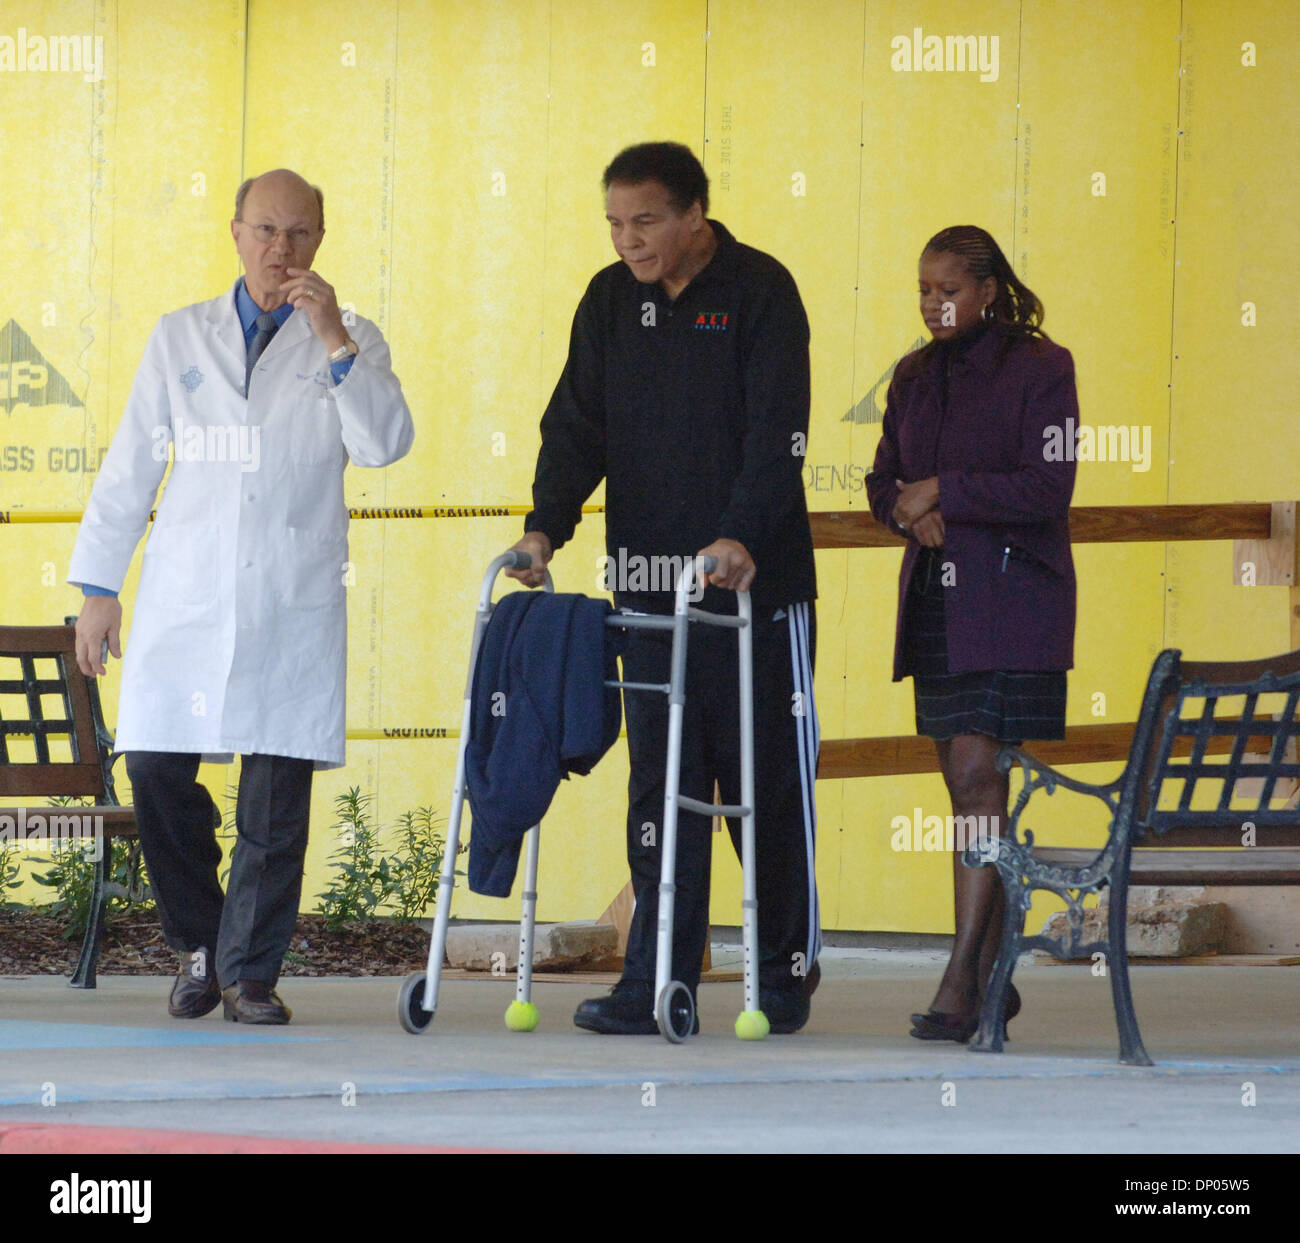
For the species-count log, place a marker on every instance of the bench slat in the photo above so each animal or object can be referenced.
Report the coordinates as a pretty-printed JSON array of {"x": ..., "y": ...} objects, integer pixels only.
[
  {"x": 1225, "y": 835},
  {"x": 117, "y": 821},
  {"x": 1083, "y": 744},
  {"x": 1258, "y": 865},
  {"x": 25, "y": 780}
]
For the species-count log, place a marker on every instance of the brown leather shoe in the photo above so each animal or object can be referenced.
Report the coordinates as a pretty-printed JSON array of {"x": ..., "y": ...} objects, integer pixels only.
[
  {"x": 196, "y": 991},
  {"x": 252, "y": 1001}
]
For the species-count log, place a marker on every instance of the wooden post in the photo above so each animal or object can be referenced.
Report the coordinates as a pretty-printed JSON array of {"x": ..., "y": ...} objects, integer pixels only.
[
  {"x": 619, "y": 913},
  {"x": 1295, "y": 585},
  {"x": 1271, "y": 562}
]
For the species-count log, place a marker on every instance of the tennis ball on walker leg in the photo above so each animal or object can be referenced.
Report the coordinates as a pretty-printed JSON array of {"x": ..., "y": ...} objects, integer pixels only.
[
  {"x": 752, "y": 1025},
  {"x": 521, "y": 1016}
]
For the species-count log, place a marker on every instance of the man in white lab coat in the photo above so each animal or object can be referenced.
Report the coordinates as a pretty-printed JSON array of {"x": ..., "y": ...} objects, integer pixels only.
[{"x": 239, "y": 635}]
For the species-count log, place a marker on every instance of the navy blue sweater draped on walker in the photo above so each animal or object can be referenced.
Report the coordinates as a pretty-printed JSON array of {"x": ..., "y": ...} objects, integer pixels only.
[{"x": 539, "y": 711}]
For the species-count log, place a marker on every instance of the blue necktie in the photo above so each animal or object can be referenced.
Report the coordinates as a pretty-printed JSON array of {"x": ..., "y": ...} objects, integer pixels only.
[{"x": 266, "y": 327}]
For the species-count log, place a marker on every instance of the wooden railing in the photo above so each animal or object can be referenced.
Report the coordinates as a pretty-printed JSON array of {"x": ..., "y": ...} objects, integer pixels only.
[
  {"x": 1265, "y": 531},
  {"x": 1265, "y": 538},
  {"x": 1095, "y": 524}
]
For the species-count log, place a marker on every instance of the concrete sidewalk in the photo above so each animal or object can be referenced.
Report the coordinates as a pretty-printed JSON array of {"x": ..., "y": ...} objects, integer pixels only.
[{"x": 852, "y": 1081}]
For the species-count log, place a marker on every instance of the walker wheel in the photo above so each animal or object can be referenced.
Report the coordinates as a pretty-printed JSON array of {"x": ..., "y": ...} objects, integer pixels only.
[
  {"x": 675, "y": 1012},
  {"x": 411, "y": 1013}
]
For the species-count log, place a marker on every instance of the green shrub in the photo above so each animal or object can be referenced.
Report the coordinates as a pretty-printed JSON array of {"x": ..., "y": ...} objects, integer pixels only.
[
  {"x": 421, "y": 849},
  {"x": 366, "y": 881},
  {"x": 10, "y": 865},
  {"x": 72, "y": 877}
]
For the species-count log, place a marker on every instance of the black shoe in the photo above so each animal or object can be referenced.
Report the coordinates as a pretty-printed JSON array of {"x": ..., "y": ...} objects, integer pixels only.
[
  {"x": 253, "y": 1001},
  {"x": 196, "y": 991},
  {"x": 627, "y": 1011},
  {"x": 787, "y": 1009}
]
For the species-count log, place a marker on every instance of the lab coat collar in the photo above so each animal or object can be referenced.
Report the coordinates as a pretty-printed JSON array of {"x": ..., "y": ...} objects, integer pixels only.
[
  {"x": 223, "y": 315},
  {"x": 249, "y": 310}
]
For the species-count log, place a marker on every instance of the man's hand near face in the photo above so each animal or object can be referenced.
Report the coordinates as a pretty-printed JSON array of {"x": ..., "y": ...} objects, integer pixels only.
[
  {"x": 308, "y": 291},
  {"x": 101, "y": 618}
]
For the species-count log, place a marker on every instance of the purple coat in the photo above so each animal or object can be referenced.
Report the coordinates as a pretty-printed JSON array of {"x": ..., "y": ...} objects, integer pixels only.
[{"x": 1005, "y": 507}]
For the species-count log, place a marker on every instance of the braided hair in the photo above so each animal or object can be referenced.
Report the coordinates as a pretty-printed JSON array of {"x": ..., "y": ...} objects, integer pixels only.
[{"x": 1015, "y": 308}]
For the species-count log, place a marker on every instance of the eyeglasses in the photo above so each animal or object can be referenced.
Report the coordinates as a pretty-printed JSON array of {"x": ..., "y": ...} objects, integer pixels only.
[{"x": 266, "y": 234}]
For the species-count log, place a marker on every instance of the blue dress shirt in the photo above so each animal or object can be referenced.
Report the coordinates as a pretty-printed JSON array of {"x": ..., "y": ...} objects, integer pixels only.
[{"x": 248, "y": 313}]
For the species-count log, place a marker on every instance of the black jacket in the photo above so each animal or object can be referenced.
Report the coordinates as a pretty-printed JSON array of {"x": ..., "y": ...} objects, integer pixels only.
[{"x": 696, "y": 414}]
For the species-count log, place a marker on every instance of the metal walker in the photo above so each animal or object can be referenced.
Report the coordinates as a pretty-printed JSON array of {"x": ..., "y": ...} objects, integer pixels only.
[{"x": 674, "y": 1007}]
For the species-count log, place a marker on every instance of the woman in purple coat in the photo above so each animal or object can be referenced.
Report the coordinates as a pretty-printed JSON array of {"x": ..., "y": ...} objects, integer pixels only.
[{"x": 986, "y": 593}]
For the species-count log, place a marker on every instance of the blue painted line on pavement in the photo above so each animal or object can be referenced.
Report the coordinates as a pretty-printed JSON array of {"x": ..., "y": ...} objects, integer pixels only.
[
  {"x": 19, "y": 1034},
  {"x": 267, "y": 1089}
]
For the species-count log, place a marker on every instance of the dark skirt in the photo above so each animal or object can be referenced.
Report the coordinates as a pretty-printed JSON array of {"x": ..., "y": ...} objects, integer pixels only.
[{"x": 1007, "y": 706}]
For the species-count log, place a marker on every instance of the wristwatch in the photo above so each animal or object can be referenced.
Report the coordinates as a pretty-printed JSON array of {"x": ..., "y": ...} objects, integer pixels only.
[{"x": 349, "y": 349}]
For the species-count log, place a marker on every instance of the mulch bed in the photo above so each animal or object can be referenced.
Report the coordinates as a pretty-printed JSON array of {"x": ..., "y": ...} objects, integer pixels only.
[{"x": 34, "y": 943}]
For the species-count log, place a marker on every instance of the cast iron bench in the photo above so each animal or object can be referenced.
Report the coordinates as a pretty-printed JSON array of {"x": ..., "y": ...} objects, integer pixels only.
[
  {"x": 52, "y": 703},
  {"x": 1177, "y": 743}
]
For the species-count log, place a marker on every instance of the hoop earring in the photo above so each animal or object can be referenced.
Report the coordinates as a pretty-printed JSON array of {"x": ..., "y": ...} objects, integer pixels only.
[{"x": 985, "y": 313}]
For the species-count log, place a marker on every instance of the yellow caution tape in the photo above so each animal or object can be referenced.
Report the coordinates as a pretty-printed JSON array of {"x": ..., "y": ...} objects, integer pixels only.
[
  {"x": 414, "y": 731},
  {"x": 360, "y": 735},
  {"x": 363, "y": 511}
]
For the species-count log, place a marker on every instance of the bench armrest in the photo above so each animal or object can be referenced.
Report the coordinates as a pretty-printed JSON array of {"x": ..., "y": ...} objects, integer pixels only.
[
  {"x": 1040, "y": 776},
  {"x": 1016, "y": 859},
  {"x": 107, "y": 759}
]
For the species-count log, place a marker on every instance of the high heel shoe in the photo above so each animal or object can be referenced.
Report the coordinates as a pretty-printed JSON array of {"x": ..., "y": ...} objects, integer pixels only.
[
  {"x": 937, "y": 1026},
  {"x": 934, "y": 1025}
]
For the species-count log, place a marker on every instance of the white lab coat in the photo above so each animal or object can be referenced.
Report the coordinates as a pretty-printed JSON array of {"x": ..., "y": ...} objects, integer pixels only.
[{"x": 238, "y": 643}]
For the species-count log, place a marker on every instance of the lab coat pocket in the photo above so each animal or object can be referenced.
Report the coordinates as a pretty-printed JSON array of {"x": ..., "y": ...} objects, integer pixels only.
[
  {"x": 313, "y": 569},
  {"x": 315, "y": 434},
  {"x": 177, "y": 570}
]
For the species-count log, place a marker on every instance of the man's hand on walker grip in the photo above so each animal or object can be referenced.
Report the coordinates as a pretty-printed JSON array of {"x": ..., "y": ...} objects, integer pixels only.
[
  {"x": 538, "y": 546},
  {"x": 735, "y": 570}
]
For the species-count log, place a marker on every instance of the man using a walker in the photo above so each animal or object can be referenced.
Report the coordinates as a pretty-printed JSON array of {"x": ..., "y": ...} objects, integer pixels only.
[{"x": 687, "y": 390}]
